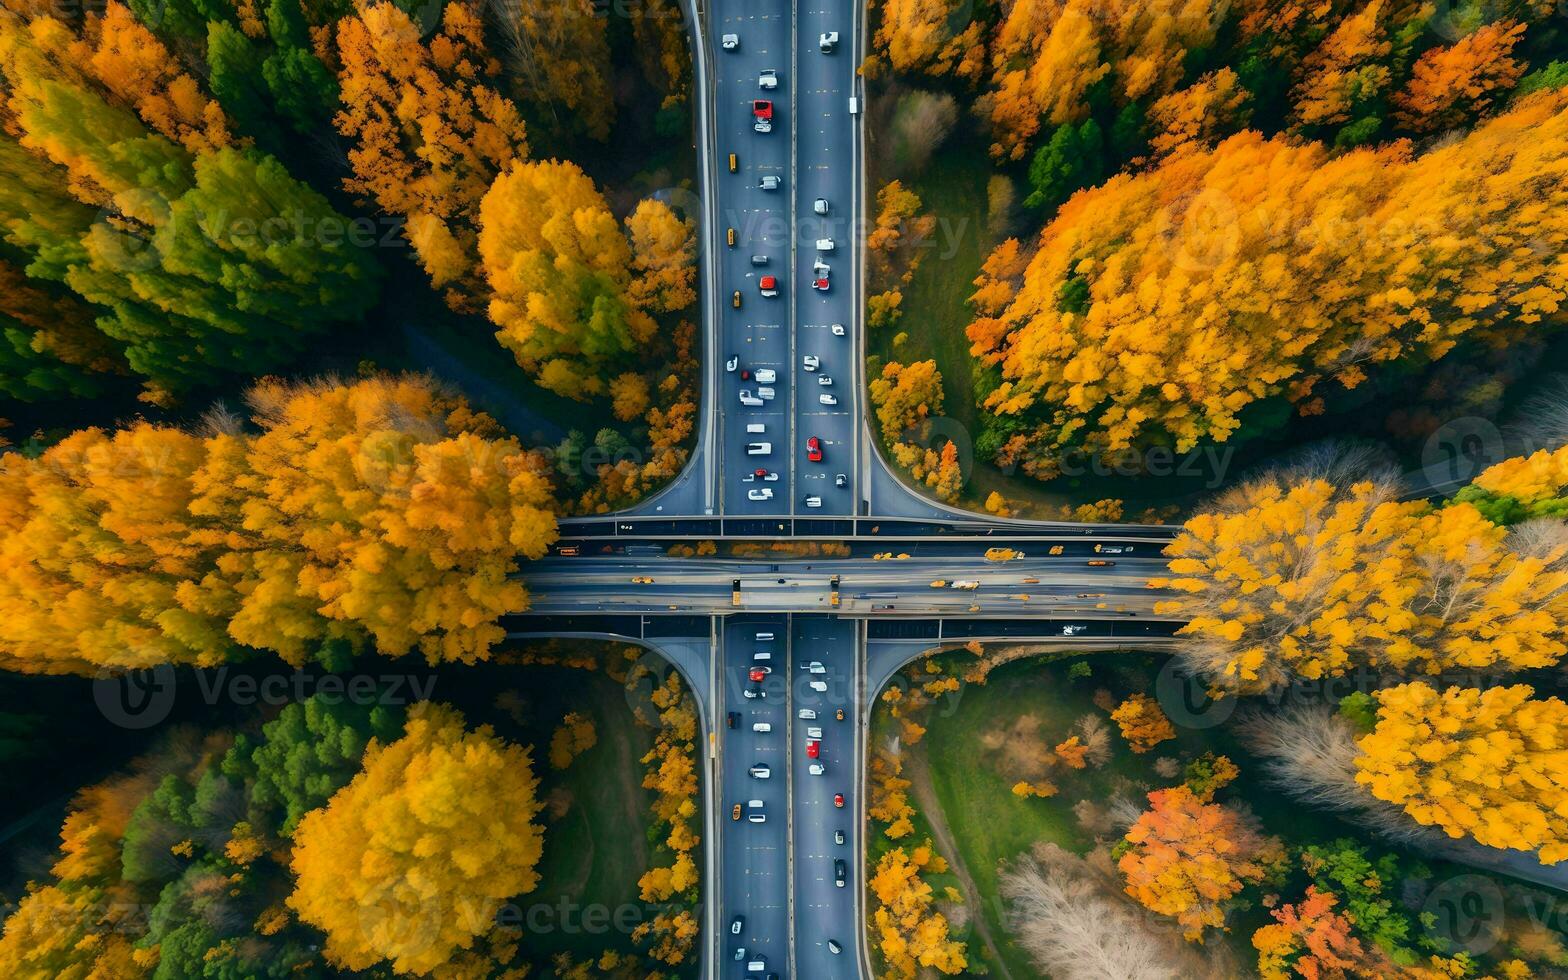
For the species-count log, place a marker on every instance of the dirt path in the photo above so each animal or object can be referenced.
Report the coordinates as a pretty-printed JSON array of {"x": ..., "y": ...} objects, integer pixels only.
[
  {"x": 918, "y": 772},
  {"x": 609, "y": 703}
]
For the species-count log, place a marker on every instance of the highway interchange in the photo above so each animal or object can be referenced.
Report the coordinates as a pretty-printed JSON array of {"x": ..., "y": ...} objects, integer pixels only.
[{"x": 774, "y": 902}]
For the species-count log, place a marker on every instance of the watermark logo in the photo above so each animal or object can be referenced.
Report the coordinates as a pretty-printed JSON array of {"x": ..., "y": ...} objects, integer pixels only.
[
  {"x": 135, "y": 699},
  {"x": 1466, "y": 912}
]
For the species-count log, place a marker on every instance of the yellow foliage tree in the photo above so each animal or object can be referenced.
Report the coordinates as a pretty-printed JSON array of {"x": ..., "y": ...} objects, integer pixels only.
[
  {"x": 905, "y": 396},
  {"x": 381, "y": 511},
  {"x": 1487, "y": 764},
  {"x": 1346, "y": 71},
  {"x": 1264, "y": 268},
  {"x": 559, "y": 269},
  {"x": 130, "y": 61},
  {"x": 908, "y": 930},
  {"x": 1142, "y": 723},
  {"x": 574, "y": 736},
  {"x": 918, "y": 36},
  {"x": 409, "y": 862},
  {"x": 1193, "y": 117},
  {"x": 430, "y": 131},
  {"x": 1309, "y": 580},
  {"x": 664, "y": 256}
]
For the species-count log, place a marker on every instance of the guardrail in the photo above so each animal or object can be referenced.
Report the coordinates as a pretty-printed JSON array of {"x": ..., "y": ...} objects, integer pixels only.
[{"x": 880, "y": 528}]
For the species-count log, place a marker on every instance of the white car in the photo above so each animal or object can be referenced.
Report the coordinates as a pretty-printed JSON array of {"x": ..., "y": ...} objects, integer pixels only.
[
  {"x": 766, "y": 394},
  {"x": 732, "y": 363},
  {"x": 760, "y": 493},
  {"x": 838, "y": 330},
  {"x": 1073, "y": 629},
  {"x": 759, "y": 449},
  {"x": 761, "y": 771},
  {"x": 810, "y": 362},
  {"x": 824, "y": 244},
  {"x": 816, "y": 769},
  {"x": 814, "y": 667},
  {"x": 769, "y": 183},
  {"x": 821, "y": 268},
  {"x": 731, "y": 41},
  {"x": 820, "y": 206},
  {"x": 765, "y": 376},
  {"x": 806, "y": 714},
  {"x": 827, "y": 399},
  {"x": 827, "y": 41},
  {"x": 768, "y": 78},
  {"x": 825, "y": 380},
  {"x": 819, "y": 686},
  {"x": 747, "y": 398},
  {"x": 814, "y": 733},
  {"x": 813, "y": 501}
]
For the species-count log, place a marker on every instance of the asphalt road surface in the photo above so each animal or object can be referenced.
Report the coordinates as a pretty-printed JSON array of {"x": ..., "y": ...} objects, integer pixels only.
[
  {"x": 823, "y": 909},
  {"x": 755, "y": 856}
]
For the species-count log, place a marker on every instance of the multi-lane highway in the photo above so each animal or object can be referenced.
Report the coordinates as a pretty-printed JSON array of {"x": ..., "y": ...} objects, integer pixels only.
[{"x": 785, "y": 207}]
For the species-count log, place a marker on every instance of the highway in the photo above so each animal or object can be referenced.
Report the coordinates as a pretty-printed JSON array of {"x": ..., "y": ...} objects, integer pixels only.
[
  {"x": 1052, "y": 588},
  {"x": 755, "y": 856}
]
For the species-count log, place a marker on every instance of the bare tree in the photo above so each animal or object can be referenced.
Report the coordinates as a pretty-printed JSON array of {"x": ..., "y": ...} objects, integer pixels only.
[
  {"x": 1067, "y": 912},
  {"x": 921, "y": 124},
  {"x": 1542, "y": 421},
  {"x": 1309, "y": 753}
]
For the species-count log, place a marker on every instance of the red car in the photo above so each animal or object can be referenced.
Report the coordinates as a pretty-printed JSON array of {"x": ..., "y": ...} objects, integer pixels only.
[
  {"x": 758, "y": 674},
  {"x": 821, "y": 284},
  {"x": 762, "y": 108},
  {"x": 814, "y": 449},
  {"x": 838, "y": 800},
  {"x": 813, "y": 749},
  {"x": 760, "y": 473}
]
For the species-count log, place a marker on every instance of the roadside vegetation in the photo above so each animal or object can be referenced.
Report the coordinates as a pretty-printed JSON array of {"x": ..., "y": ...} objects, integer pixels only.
[
  {"x": 1124, "y": 295},
  {"x": 270, "y": 841},
  {"x": 1076, "y": 830}
]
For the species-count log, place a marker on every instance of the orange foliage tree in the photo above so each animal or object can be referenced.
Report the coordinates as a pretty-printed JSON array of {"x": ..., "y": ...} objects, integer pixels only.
[
  {"x": 1142, "y": 722},
  {"x": 1188, "y": 860},
  {"x": 1310, "y": 939},
  {"x": 1453, "y": 84},
  {"x": 430, "y": 132}
]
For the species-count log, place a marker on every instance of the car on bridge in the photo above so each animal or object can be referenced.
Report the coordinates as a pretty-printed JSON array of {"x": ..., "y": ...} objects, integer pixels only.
[
  {"x": 838, "y": 800},
  {"x": 1002, "y": 554},
  {"x": 642, "y": 580},
  {"x": 827, "y": 399},
  {"x": 813, "y": 749},
  {"x": 1099, "y": 563},
  {"x": 737, "y": 924}
]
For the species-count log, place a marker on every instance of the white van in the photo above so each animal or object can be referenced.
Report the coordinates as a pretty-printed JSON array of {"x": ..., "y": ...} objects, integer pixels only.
[
  {"x": 766, "y": 394},
  {"x": 759, "y": 449},
  {"x": 764, "y": 637},
  {"x": 765, "y": 376},
  {"x": 806, "y": 714},
  {"x": 756, "y": 428},
  {"x": 756, "y": 966},
  {"x": 761, "y": 657},
  {"x": 749, "y": 400},
  {"x": 761, "y": 727},
  {"x": 813, "y": 733}
]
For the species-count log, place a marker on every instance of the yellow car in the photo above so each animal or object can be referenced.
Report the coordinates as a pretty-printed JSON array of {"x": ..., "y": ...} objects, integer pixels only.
[
  {"x": 1031, "y": 580},
  {"x": 735, "y": 300},
  {"x": 733, "y": 163},
  {"x": 641, "y": 580},
  {"x": 902, "y": 556},
  {"x": 1021, "y": 597},
  {"x": 1002, "y": 554},
  {"x": 729, "y": 236},
  {"x": 940, "y": 583},
  {"x": 884, "y": 556},
  {"x": 1056, "y": 549},
  {"x": 735, "y": 812}
]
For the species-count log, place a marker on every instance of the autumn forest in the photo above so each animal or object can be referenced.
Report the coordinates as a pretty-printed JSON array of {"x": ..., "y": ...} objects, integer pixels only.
[{"x": 321, "y": 316}]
